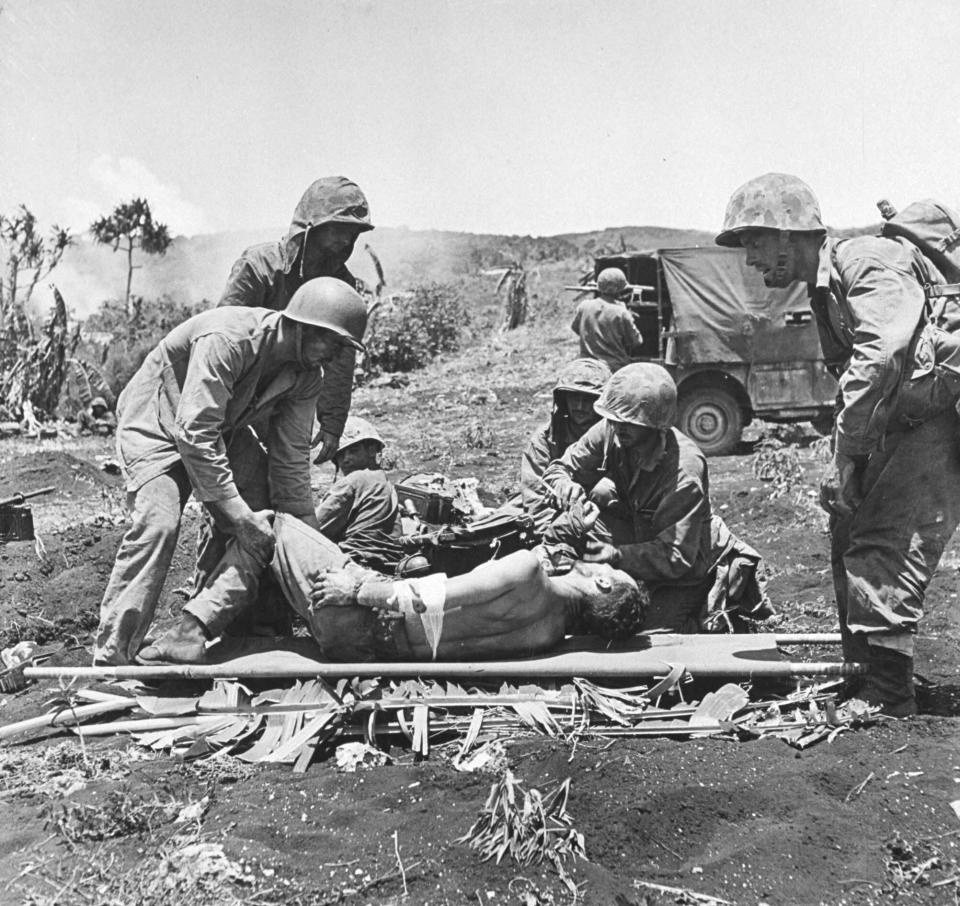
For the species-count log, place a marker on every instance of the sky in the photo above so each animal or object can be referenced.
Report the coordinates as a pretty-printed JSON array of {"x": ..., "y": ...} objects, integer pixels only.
[{"x": 505, "y": 116}]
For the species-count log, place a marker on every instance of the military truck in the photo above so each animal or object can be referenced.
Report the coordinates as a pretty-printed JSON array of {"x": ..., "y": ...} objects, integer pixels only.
[{"x": 737, "y": 349}]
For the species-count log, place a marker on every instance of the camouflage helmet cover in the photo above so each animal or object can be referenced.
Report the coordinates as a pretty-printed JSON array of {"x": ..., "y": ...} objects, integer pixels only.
[
  {"x": 582, "y": 376},
  {"x": 611, "y": 281},
  {"x": 98, "y": 402},
  {"x": 357, "y": 430},
  {"x": 774, "y": 201},
  {"x": 641, "y": 394}
]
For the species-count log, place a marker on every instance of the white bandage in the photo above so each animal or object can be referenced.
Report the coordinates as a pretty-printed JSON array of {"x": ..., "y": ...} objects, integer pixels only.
[
  {"x": 402, "y": 596},
  {"x": 433, "y": 593}
]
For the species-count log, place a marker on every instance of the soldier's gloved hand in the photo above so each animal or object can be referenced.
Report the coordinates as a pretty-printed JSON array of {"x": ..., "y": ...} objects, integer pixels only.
[
  {"x": 254, "y": 532},
  {"x": 601, "y": 552},
  {"x": 328, "y": 445},
  {"x": 840, "y": 493},
  {"x": 567, "y": 492},
  {"x": 334, "y": 588}
]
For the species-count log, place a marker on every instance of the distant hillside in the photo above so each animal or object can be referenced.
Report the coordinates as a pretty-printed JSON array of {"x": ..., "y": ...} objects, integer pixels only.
[{"x": 196, "y": 268}]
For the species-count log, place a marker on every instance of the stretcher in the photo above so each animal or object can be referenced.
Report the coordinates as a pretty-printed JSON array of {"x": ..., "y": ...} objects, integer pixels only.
[{"x": 736, "y": 657}]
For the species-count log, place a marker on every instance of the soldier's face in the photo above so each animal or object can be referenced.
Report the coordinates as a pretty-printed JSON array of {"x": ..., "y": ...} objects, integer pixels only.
[
  {"x": 638, "y": 438},
  {"x": 319, "y": 346},
  {"x": 358, "y": 456},
  {"x": 765, "y": 252},
  {"x": 328, "y": 248},
  {"x": 580, "y": 410}
]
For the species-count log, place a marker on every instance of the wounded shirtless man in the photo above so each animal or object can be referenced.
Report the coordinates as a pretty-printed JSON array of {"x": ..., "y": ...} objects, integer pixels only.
[{"x": 503, "y": 608}]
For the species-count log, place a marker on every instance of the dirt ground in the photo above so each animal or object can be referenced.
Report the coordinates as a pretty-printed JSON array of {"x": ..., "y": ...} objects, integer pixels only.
[{"x": 867, "y": 818}]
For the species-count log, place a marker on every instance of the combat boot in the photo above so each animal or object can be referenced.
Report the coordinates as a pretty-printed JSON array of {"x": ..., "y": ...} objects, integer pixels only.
[
  {"x": 856, "y": 650},
  {"x": 889, "y": 682}
]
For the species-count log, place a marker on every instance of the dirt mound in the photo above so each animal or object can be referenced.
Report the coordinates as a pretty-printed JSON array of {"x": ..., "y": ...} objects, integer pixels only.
[{"x": 54, "y": 468}]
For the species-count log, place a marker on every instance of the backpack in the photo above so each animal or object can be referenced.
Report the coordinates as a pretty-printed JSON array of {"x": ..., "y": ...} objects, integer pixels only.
[
  {"x": 932, "y": 227},
  {"x": 931, "y": 380}
]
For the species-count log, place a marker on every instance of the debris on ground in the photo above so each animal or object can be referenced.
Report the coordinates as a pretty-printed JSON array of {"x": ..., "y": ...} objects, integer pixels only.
[
  {"x": 527, "y": 826},
  {"x": 293, "y": 725}
]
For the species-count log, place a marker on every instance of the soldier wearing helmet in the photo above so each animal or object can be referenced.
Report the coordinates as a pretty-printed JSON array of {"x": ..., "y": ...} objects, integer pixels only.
[
  {"x": 893, "y": 489},
  {"x": 329, "y": 217},
  {"x": 222, "y": 408},
  {"x": 650, "y": 482},
  {"x": 604, "y": 324},
  {"x": 96, "y": 419},
  {"x": 359, "y": 512},
  {"x": 577, "y": 389}
]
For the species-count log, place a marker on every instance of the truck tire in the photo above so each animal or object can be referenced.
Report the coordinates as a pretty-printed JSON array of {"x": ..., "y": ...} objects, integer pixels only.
[{"x": 711, "y": 418}]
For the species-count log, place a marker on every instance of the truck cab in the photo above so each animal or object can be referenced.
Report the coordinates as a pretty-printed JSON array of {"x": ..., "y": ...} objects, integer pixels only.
[{"x": 737, "y": 349}]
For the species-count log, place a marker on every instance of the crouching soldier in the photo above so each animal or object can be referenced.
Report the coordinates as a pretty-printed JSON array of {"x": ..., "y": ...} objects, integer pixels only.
[
  {"x": 578, "y": 388},
  {"x": 96, "y": 419},
  {"x": 359, "y": 513},
  {"x": 223, "y": 407},
  {"x": 651, "y": 486}
]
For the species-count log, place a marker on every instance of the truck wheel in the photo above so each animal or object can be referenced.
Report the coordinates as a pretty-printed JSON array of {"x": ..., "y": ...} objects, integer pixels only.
[{"x": 711, "y": 418}]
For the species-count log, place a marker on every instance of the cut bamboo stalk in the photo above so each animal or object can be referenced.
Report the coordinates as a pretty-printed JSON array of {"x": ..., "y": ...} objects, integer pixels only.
[
  {"x": 749, "y": 669},
  {"x": 66, "y": 717},
  {"x": 141, "y": 725}
]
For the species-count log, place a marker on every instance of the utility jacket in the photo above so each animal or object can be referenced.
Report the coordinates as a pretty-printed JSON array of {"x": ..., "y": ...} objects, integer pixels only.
[
  {"x": 359, "y": 508},
  {"x": 666, "y": 507},
  {"x": 196, "y": 392},
  {"x": 546, "y": 445},
  {"x": 868, "y": 300},
  {"x": 268, "y": 274}
]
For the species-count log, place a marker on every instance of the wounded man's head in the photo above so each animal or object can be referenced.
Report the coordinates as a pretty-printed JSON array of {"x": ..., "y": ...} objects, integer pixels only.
[{"x": 615, "y": 604}]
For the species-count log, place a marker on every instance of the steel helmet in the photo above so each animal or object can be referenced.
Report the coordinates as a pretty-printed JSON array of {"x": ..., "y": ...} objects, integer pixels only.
[
  {"x": 582, "y": 376},
  {"x": 774, "y": 201},
  {"x": 98, "y": 401},
  {"x": 357, "y": 430},
  {"x": 640, "y": 394},
  {"x": 611, "y": 281},
  {"x": 330, "y": 303}
]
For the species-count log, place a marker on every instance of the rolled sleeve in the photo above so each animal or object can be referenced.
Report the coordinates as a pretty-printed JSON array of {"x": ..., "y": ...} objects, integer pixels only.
[{"x": 215, "y": 363}]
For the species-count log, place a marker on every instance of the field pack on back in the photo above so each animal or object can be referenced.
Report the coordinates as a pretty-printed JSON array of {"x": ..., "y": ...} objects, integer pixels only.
[{"x": 934, "y": 229}]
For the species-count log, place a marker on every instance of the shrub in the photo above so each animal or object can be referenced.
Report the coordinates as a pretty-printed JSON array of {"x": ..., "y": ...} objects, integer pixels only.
[
  {"x": 408, "y": 330},
  {"x": 133, "y": 336}
]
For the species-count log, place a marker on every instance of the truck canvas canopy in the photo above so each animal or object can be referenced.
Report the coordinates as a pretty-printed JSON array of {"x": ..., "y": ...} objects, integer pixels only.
[{"x": 723, "y": 311}]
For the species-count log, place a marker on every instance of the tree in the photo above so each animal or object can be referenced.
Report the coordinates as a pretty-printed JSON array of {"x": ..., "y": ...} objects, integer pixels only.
[
  {"x": 513, "y": 284},
  {"x": 27, "y": 258},
  {"x": 131, "y": 225}
]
